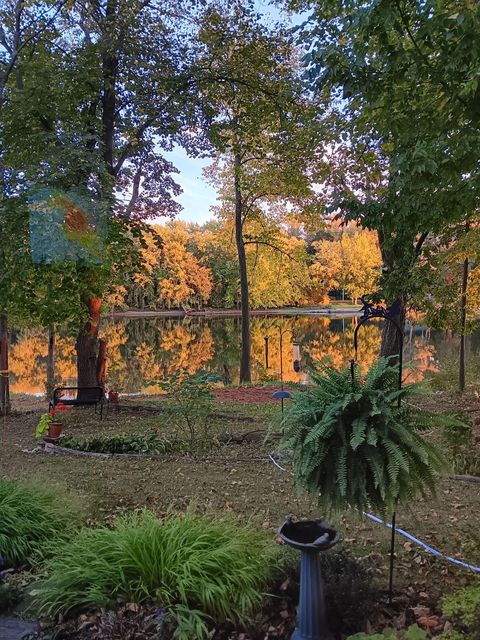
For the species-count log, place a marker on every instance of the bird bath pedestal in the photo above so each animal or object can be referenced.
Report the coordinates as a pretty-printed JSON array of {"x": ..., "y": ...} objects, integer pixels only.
[{"x": 310, "y": 537}]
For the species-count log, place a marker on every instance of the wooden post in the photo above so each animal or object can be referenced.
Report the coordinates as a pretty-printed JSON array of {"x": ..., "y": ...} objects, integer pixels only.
[
  {"x": 463, "y": 324},
  {"x": 4, "y": 379},
  {"x": 51, "y": 361}
]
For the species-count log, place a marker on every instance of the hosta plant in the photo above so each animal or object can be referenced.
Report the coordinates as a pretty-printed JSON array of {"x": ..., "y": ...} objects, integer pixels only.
[{"x": 354, "y": 446}]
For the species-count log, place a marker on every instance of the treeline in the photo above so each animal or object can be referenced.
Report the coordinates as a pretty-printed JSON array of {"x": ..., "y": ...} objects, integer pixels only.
[{"x": 187, "y": 266}]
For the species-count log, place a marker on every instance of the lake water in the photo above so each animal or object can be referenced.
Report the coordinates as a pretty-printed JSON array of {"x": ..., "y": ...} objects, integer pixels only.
[{"x": 144, "y": 350}]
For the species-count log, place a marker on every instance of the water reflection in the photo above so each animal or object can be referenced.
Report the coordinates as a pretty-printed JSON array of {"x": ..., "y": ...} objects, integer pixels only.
[{"x": 148, "y": 349}]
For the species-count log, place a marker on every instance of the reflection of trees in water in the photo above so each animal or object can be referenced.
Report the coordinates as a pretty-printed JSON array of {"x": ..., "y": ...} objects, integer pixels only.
[
  {"x": 28, "y": 361},
  {"x": 151, "y": 348},
  {"x": 420, "y": 359},
  {"x": 147, "y": 350},
  {"x": 336, "y": 343}
]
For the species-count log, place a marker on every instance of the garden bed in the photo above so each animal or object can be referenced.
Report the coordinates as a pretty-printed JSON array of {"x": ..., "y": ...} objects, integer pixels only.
[
  {"x": 139, "y": 444},
  {"x": 238, "y": 478}
]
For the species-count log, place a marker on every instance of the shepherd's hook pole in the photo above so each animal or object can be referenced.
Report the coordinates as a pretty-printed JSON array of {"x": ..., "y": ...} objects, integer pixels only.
[{"x": 392, "y": 556}]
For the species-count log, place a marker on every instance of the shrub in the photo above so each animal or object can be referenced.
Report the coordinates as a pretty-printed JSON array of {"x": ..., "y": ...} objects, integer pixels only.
[
  {"x": 191, "y": 404},
  {"x": 463, "y": 609},
  {"x": 31, "y": 518},
  {"x": 191, "y": 561},
  {"x": 412, "y": 633},
  {"x": 354, "y": 446},
  {"x": 347, "y": 589},
  {"x": 124, "y": 443}
]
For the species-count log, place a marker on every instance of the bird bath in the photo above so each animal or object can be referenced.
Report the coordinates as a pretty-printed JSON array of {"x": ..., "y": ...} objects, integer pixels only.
[{"x": 310, "y": 537}]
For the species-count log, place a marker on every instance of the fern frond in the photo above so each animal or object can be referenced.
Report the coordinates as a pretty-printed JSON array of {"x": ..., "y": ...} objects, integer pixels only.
[{"x": 353, "y": 445}]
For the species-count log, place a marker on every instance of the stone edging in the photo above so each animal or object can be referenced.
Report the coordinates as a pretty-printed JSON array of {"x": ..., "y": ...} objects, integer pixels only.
[{"x": 64, "y": 451}]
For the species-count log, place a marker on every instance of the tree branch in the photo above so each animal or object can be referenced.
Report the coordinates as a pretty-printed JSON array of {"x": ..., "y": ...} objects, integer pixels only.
[
  {"x": 419, "y": 243},
  {"x": 425, "y": 57},
  {"x": 272, "y": 246},
  {"x": 129, "y": 147},
  {"x": 17, "y": 50}
]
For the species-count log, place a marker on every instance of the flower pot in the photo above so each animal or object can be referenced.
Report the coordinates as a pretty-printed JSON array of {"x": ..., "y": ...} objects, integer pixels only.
[{"x": 55, "y": 429}]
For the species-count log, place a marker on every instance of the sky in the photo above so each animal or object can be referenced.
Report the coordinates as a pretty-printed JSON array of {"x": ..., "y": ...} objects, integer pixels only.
[{"x": 198, "y": 196}]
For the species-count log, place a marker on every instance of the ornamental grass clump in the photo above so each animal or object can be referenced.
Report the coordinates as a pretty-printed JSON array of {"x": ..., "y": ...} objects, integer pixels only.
[
  {"x": 194, "y": 562},
  {"x": 32, "y": 519},
  {"x": 354, "y": 446}
]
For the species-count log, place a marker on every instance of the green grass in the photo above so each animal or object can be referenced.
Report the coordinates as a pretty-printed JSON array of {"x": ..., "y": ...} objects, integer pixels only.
[
  {"x": 32, "y": 519},
  {"x": 215, "y": 566}
]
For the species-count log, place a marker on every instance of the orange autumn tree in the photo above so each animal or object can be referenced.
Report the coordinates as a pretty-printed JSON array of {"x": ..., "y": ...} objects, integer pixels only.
[
  {"x": 349, "y": 261},
  {"x": 171, "y": 276}
]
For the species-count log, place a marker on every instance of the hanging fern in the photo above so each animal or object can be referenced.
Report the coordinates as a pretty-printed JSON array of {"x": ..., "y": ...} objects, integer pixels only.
[{"x": 354, "y": 446}]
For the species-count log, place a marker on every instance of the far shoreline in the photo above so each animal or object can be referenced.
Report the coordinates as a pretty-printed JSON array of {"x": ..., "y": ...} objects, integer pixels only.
[{"x": 330, "y": 310}]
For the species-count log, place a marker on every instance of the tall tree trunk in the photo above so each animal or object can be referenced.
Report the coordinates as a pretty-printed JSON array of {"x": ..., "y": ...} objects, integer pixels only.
[
  {"x": 51, "y": 361},
  {"x": 87, "y": 341},
  {"x": 4, "y": 373},
  {"x": 463, "y": 325},
  {"x": 245, "y": 369},
  {"x": 101, "y": 363},
  {"x": 87, "y": 346},
  {"x": 391, "y": 338}
]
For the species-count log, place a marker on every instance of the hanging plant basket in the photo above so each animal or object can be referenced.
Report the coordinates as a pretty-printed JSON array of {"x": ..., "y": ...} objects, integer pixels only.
[{"x": 354, "y": 446}]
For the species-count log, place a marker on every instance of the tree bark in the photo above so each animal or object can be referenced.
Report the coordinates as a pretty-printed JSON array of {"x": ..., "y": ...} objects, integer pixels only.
[
  {"x": 101, "y": 363},
  {"x": 87, "y": 346},
  {"x": 245, "y": 368},
  {"x": 51, "y": 361},
  {"x": 391, "y": 339},
  {"x": 4, "y": 373},
  {"x": 463, "y": 325}
]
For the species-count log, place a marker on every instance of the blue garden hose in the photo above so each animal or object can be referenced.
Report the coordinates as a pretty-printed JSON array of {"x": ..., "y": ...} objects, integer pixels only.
[
  {"x": 426, "y": 547},
  {"x": 405, "y": 534}
]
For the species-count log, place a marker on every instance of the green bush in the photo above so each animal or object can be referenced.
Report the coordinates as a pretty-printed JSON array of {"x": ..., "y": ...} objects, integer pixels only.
[
  {"x": 31, "y": 519},
  {"x": 124, "y": 443},
  {"x": 463, "y": 609},
  {"x": 412, "y": 633},
  {"x": 193, "y": 562},
  {"x": 354, "y": 446},
  {"x": 191, "y": 404}
]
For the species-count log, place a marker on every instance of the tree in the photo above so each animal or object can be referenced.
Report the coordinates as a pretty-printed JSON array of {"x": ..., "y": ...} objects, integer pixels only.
[
  {"x": 255, "y": 119},
  {"x": 93, "y": 126},
  {"x": 350, "y": 261},
  {"x": 447, "y": 283},
  {"x": 402, "y": 77},
  {"x": 22, "y": 25}
]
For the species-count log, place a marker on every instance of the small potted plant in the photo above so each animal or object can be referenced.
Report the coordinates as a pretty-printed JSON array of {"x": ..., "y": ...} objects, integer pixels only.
[{"x": 51, "y": 423}]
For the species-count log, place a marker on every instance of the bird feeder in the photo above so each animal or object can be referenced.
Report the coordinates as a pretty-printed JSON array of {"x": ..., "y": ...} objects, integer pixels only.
[{"x": 296, "y": 357}]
